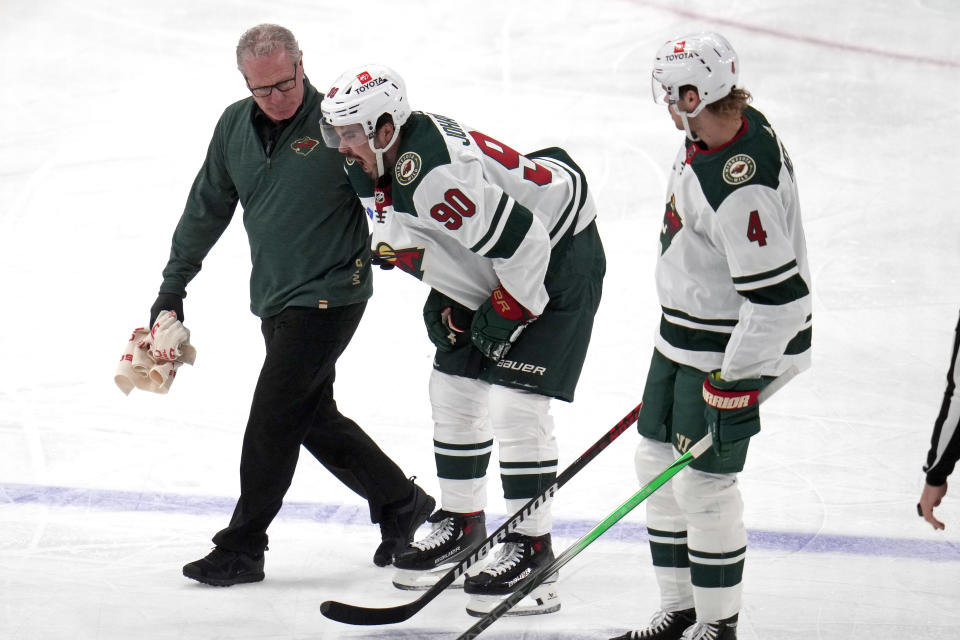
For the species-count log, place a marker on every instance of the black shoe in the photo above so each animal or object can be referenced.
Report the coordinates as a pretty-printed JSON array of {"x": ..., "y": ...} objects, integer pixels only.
[
  {"x": 399, "y": 523},
  {"x": 664, "y": 625},
  {"x": 725, "y": 629},
  {"x": 223, "y": 568}
]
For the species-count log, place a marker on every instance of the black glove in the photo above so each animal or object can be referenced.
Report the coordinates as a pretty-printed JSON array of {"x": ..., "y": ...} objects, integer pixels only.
[
  {"x": 448, "y": 322},
  {"x": 380, "y": 261},
  {"x": 166, "y": 302},
  {"x": 732, "y": 411},
  {"x": 498, "y": 323}
]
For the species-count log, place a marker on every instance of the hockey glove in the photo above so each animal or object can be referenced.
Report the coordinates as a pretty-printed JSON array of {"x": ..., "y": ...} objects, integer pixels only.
[
  {"x": 166, "y": 302},
  {"x": 447, "y": 321},
  {"x": 732, "y": 412},
  {"x": 498, "y": 323}
]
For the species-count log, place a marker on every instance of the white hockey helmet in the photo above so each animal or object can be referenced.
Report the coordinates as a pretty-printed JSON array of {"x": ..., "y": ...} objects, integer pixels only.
[
  {"x": 703, "y": 60},
  {"x": 360, "y": 96}
]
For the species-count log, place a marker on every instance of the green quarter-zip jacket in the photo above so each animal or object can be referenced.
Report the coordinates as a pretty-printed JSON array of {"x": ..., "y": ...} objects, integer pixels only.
[{"x": 305, "y": 225}]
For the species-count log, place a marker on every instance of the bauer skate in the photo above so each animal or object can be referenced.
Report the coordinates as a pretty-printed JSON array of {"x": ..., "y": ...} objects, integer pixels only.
[
  {"x": 454, "y": 536},
  {"x": 520, "y": 557}
]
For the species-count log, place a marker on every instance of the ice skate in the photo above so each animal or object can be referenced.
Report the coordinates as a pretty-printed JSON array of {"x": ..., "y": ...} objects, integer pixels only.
[
  {"x": 664, "y": 625},
  {"x": 722, "y": 630},
  {"x": 454, "y": 536},
  {"x": 520, "y": 557}
]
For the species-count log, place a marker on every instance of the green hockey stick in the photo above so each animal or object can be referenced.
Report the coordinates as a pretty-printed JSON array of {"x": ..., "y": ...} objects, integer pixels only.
[{"x": 645, "y": 492}]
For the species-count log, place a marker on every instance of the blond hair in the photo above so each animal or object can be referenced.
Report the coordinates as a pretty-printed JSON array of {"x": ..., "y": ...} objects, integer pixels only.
[{"x": 731, "y": 104}]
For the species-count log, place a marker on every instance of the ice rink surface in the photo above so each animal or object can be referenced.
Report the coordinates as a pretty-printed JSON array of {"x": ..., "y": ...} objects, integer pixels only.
[{"x": 107, "y": 108}]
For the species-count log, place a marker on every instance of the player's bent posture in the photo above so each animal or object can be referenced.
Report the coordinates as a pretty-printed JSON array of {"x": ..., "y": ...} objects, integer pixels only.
[
  {"x": 734, "y": 288},
  {"x": 509, "y": 248}
]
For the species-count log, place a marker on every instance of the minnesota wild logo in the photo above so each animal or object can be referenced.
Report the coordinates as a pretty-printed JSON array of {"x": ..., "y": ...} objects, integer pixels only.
[
  {"x": 304, "y": 145},
  {"x": 672, "y": 223},
  {"x": 408, "y": 167},
  {"x": 409, "y": 260},
  {"x": 739, "y": 169}
]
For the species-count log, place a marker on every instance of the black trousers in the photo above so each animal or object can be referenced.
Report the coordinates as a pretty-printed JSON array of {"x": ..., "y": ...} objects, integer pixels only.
[{"x": 293, "y": 405}]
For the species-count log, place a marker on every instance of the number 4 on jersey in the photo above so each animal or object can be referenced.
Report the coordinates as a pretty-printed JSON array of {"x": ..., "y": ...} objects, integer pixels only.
[{"x": 755, "y": 232}]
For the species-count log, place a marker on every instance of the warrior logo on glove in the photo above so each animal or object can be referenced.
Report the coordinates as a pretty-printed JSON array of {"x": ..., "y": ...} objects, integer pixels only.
[{"x": 728, "y": 399}]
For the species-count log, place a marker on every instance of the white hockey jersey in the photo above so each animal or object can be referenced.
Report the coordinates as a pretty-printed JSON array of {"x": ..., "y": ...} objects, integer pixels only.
[
  {"x": 732, "y": 276},
  {"x": 464, "y": 212}
]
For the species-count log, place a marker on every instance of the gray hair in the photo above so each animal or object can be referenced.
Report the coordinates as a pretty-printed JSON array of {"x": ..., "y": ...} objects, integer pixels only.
[{"x": 264, "y": 39}]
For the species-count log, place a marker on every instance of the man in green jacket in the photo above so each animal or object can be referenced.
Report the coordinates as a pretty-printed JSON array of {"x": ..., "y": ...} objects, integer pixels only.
[{"x": 309, "y": 284}]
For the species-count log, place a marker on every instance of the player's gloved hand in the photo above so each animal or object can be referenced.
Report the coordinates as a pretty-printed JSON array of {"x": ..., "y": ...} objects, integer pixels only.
[
  {"x": 166, "y": 302},
  {"x": 497, "y": 324},
  {"x": 732, "y": 411},
  {"x": 447, "y": 321}
]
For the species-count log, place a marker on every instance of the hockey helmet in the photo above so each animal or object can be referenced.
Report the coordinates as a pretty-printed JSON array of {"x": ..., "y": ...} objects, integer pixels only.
[
  {"x": 704, "y": 60},
  {"x": 356, "y": 101}
]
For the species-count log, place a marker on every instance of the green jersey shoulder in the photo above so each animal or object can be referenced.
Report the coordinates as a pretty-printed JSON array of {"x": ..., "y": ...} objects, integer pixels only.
[
  {"x": 422, "y": 150},
  {"x": 754, "y": 157}
]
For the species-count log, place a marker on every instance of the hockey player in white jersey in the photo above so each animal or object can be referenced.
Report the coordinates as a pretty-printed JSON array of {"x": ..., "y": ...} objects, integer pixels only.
[
  {"x": 510, "y": 250},
  {"x": 734, "y": 289}
]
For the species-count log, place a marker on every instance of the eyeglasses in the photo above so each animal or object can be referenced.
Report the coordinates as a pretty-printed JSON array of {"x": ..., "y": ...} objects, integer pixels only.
[{"x": 283, "y": 86}]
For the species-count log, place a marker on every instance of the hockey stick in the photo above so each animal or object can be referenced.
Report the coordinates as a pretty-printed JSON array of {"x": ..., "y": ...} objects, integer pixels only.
[
  {"x": 645, "y": 492},
  {"x": 353, "y": 614}
]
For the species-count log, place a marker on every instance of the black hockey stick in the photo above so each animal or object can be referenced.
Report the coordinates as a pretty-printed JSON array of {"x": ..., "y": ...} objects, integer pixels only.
[
  {"x": 353, "y": 614},
  {"x": 645, "y": 492}
]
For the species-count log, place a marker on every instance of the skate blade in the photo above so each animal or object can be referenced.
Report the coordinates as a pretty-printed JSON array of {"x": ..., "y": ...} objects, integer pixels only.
[
  {"x": 414, "y": 580},
  {"x": 410, "y": 580},
  {"x": 543, "y": 599}
]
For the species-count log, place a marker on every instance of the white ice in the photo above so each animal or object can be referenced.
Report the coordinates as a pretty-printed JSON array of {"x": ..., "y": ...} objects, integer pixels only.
[{"x": 106, "y": 109}]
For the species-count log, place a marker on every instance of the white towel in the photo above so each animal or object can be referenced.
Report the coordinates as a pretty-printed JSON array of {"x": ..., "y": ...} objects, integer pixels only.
[
  {"x": 162, "y": 376},
  {"x": 171, "y": 340},
  {"x": 151, "y": 358}
]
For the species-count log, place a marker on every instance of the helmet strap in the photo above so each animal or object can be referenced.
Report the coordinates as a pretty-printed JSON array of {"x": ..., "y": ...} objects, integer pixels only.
[
  {"x": 685, "y": 115},
  {"x": 379, "y": 152},
  {"x": 686, "y": 123}
]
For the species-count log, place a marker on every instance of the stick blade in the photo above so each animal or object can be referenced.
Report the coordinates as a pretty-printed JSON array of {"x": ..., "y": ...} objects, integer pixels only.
[{"x": 352, "y": 614}]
